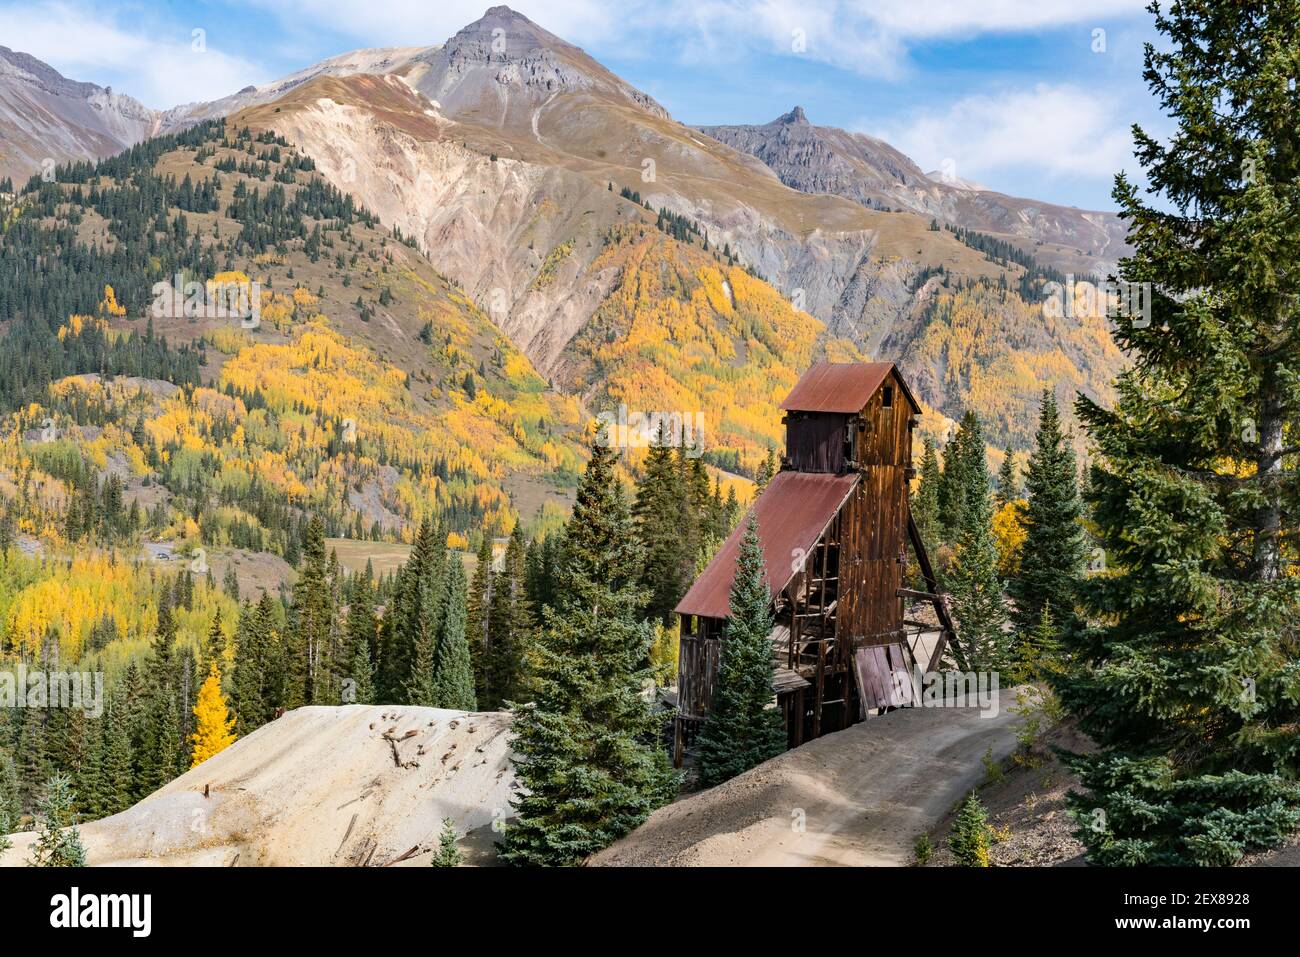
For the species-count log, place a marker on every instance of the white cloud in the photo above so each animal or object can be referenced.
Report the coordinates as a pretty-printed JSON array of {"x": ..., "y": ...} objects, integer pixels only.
[
  {"x": 870, "y": 37},
  {"x": 1053, "y": 130},
  {"x": 158, "y": 65}
]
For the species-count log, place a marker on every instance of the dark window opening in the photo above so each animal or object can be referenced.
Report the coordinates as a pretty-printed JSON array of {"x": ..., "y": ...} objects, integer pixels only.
[{"x": 887, "y": 399}]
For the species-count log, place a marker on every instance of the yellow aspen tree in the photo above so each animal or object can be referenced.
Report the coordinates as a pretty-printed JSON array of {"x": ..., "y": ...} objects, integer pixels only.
[{"x": 213, "y": 721}]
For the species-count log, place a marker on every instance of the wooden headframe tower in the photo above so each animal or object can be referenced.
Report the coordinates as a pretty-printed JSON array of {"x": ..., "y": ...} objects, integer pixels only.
[{"x": 834, "y": 525}]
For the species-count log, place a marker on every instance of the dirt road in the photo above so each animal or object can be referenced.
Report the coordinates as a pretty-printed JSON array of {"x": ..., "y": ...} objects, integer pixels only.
[{"x": 858, "y": 797}]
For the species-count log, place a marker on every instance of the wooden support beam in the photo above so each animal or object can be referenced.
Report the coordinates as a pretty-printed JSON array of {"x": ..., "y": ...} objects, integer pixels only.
[{"x": 948, "y": 635}]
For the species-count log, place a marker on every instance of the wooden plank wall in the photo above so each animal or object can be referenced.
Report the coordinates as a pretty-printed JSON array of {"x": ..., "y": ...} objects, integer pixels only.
[{"x": 876, "y": 546}]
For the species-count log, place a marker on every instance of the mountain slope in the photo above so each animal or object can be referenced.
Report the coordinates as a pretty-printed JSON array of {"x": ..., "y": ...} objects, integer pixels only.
[
  {"x": 823, "y": 159},
  {"x": 512, "y": 164},
  {"x": 371, "y": 391},
  {"x": 510, "y": 157},
  {"x": 47, "y": 118}
]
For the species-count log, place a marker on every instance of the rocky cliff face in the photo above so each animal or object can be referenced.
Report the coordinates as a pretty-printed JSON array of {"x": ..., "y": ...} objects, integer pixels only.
[
  {"x": 503, "y": 65},
  {"x": 820, "y": 159},
  {"x": 45, "y": 118}
]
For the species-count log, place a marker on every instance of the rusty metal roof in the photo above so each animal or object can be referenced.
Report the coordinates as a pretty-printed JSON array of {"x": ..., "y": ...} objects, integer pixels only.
[
  {"x": 793, "y": 511},
  {"x": 841, "y": 387}
]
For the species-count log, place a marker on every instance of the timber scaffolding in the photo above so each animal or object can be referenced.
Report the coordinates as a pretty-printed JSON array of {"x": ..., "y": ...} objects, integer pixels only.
[{"x": 835, "y": 527}]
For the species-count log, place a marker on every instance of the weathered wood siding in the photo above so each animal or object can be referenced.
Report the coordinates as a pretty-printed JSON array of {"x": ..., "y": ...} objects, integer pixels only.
[
  {"x": 815, "y": 441},
  {"x": 875, "y": 539}
]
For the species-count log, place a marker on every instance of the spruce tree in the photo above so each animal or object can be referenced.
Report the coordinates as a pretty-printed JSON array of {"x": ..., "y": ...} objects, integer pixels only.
[
  {"x": 410, "y": 627},
  {"x": 964, "y": 463},
  {"x": 453, "y": 674},
  {"x": 971, "y": 834},
  {"x": 1008, "y": 480},
  {"x": 312, "y": 625},
  {"x": 510, "y": 627},
  {"x": 214, "y": 645},
  {"x": 114, "y": 759},
  {"x": 1053, "y": 530},
  {"x": 925, "y": 500},
  {"x": 362, "y": 630},
  {"x": 477, "y": 610},
  {"x": 58, "y": 842},
  {"x": 767, "y": 468},
  {"x": 743, "y": 728},
  {"x": 10, "y": 797},
  {"x": 1185, "y": 672},
  {"x": 248, "y": 692},
  {"x": 657, "y": 510},
  {"x": 32, "y": 755},
  {"x": 448, "y": 853},
  {"x": 587, "y": 752},
  {"x": 973, "y": 578}
]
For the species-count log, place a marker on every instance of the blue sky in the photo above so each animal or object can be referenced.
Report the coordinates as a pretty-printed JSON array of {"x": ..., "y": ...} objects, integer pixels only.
[{"x": 1031, "y": 97}]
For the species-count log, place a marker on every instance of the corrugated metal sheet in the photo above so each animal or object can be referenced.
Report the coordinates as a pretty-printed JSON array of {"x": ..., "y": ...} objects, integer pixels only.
[
  {"x": 793, "y": 511},
  {"x": 844, "y": 387}
]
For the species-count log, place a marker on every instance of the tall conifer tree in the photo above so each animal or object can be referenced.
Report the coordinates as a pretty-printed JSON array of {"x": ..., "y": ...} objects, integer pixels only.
[
  {"x": 743, "y": 728},
  {"x": 587, "y": 749},
  {"x": 1186, "y": 674},
  {"x": 453, "y": 674},
  {"x": 1053, "y": 531}
]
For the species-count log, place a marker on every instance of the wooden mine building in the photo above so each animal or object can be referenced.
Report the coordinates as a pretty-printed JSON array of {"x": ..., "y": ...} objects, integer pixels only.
[{"x": 835, "y": 526}]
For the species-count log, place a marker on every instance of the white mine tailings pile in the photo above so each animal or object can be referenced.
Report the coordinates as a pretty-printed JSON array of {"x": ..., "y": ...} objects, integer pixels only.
[{"x": 361, "y": 785}]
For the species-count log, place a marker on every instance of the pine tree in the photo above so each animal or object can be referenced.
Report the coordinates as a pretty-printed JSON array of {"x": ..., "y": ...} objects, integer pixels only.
[
  {"x": 10, "y": 796},
  {"x": 965, "y": 463},
  {"x": 421, "y": 686},
  {"x": 113, "y": 760},
  {"x": 448, "y": 853},
  {"x": 1053, "y": 529},
  {"x": 32, "y": 755},
  {"x": 311, "y": 630},
  {"x": 453, "y": 674},
  {"x": 586, "y": 750},
  {"x": 478, "y": 607},
  {"x": 410, "y": 627},
  {"x": 657, "y": 510},
  {"x": 925, "y": 501},
  {"x": 214, "y": 645},
  {"x": 163, "y": 747},
  {"x": 973, "y": 579},
  {"x": 1008, "y": 480},
  {"x": 743, "y": 729},
  {"x": 58, "y": 842},
  {"x": 766, "y": 470},
  {"x": 247, "y": 684},
  {"x": 362, "y": 631},
  {"x": 213, "y": 723},
  {"x": 970, "y": 836},
  {"x": 510, "y": 628},
  {"x": 1184, "y": 674}
]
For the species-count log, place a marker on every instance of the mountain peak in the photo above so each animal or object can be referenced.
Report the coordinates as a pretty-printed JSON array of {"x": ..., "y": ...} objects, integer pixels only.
[
  {"x": 26, "y": 67},
  {"x": 503, "y": 12},
  {"x": 796, "y": 117},
  {"x": 516, "y": 25},
  {"x": 504, "y": 60}
]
